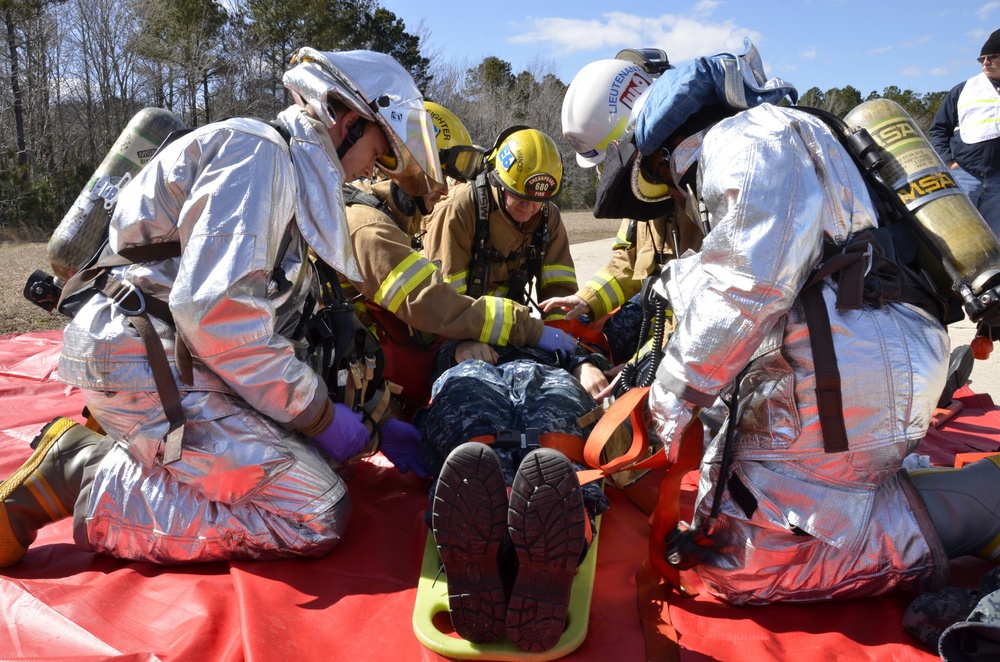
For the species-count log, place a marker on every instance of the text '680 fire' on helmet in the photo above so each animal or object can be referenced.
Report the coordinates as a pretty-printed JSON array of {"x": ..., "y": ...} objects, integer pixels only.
[
  {"x": 378, "y": 88},
  {"x": 526, "y": 162},
  {"x": 460, "y": 159}
]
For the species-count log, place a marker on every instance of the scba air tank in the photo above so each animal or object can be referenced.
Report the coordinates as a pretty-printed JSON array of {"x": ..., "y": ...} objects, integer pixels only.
[
  {"x": 946, "y": 217},
  {"x": 85, "y": 226}
]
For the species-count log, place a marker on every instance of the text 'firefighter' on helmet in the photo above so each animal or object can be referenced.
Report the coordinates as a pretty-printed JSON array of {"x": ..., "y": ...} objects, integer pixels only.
[
  {"x": 597, "y": 104},
  {"x": 526, "y": 162},
  {"x": 460, "y": 159},
  {"x": 378, "y": 88}
]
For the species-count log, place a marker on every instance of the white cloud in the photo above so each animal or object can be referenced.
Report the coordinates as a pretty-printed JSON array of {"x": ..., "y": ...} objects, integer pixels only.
[
  {"x": 920, "y": 41},
  {"x": 809, "y": 54},
  {"x": 879, "y": 51},
  {"x": 939, "y": 71},
  {"x": 681, "y": 37},
  {"x": 984, "y": 12},
  {"x": 911, "y": 72}
]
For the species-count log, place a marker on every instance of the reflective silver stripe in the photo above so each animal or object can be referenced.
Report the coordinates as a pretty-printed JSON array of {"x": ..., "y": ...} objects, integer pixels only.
[
  {"x": 499, "y": 320},
  {"x": 402, "y": 280},
  {"x": 458, "y": 280},
  {"x": 608, "y": 290},
  {"x": 557, "y": 273}
]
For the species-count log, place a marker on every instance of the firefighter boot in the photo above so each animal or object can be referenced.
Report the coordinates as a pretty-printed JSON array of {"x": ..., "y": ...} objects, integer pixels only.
[
  {"x": 548, "y": 526},
  {"x": 469, "y": 520},
  {"x": 45, "y": 488},
  {"x": 964, "y": 505}
]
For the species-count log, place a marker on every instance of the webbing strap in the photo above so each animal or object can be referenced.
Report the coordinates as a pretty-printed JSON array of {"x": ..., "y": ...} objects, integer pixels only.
[
  {"x": 137, "y": 308},
  {"x": 829, "y": 400}
]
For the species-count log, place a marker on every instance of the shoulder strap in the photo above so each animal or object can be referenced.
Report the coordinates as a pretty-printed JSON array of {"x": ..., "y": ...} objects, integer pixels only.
[
  {"x": 355, "y": 196},
  {"x": 137, "y": 307},
  {"x": 479, "y": 270}
]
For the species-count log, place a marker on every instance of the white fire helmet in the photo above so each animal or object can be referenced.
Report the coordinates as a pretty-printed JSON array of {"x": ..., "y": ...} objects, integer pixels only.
[
  {"x": 597, "y": 105},
  {"x": 378, "y": 88}
]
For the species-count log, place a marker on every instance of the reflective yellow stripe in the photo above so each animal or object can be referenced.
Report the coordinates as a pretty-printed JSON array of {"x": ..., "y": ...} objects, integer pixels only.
[
  {"x": 991, "y": 552},
  {"x": 458, "y": 280},
  {"x": 402, "y": 280},
  {"x": 608, "y": 290},
  {"x": 557, "y": 273},
  {"x": 614, "y": 135},
  {"x": 621, "y": 241},
  {"x": 499, "y": 320}
]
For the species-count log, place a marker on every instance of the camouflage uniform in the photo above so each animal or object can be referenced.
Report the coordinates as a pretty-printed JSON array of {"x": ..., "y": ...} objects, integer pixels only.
[
  {"x": 529, "y": 388},
  {"x": 959, "y": 623}
]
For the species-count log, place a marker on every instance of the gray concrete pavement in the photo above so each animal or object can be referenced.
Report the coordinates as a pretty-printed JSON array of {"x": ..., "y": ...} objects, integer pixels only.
[{"x": 591, "y": 256}]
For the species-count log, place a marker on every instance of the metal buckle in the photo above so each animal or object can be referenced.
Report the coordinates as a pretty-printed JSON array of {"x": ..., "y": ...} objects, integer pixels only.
[
  {"x": 516, "y": 439},
  {"x": 118, "y": 301}
]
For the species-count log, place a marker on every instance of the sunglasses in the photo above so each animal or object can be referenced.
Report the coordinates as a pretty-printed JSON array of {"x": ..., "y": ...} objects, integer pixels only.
[{"x": 984, "y": 58}]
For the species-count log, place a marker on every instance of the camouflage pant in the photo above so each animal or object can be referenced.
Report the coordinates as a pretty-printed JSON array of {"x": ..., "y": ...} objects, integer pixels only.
[
  {"x": 962, "y": 624},
  {"x": 622, "y": 330},
  {"x": 477, "y": 399}
]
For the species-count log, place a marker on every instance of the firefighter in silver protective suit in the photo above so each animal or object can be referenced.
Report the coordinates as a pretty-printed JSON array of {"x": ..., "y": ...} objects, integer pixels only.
[
  {"x": 794, "y": 509},
  {"x": 250, "y": 470}
]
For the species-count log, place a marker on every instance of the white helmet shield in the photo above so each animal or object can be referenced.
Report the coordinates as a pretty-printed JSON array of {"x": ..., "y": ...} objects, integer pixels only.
[{"x": 378, "y": 88}]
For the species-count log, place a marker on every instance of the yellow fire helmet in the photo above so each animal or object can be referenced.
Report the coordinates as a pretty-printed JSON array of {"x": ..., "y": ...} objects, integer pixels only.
[
  {"x": 526, "y": 162},
  {"x": 460, "y": 159}
]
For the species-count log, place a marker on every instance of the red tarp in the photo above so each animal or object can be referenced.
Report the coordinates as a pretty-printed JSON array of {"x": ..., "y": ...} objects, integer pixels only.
[{"x": 63, "y": 604}]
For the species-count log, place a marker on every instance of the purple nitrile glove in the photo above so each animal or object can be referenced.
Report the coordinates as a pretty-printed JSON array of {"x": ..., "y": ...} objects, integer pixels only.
[
  {"x": 401, "y": 444},
  {"x": 346, "y": 436},
  {"x": 554, "y": 340}
]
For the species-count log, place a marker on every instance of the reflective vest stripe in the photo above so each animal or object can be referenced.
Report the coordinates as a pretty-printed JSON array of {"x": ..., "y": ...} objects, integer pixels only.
[
  {"x": 402, "y": 280},
  {"x": 621, "y": 241},
  {"x": 557, "y": 273},
  {"x": 608, "y": 290},
  {"x": 499, "y": 320},
  {"x": 459, "y": 280}
]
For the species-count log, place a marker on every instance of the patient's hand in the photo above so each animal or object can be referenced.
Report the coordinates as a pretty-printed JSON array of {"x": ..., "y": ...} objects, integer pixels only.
[
  {"x": 474, "y": 350},
  {"x": 592, "y": 378}
]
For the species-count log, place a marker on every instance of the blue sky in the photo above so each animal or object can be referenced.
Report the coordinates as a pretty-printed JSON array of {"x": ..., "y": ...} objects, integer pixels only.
[{"x": 918, "y": 45}]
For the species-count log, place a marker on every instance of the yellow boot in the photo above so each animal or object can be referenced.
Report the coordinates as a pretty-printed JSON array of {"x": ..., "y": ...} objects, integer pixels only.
[{"x": 44, "y": 489}]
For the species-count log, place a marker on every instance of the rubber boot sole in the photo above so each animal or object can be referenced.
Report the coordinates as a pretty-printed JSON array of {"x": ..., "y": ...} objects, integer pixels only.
[
  {"x": 547, "y": 524},
  {"x": 469, "y": 520},
  {"x": 11, "y": 550}
]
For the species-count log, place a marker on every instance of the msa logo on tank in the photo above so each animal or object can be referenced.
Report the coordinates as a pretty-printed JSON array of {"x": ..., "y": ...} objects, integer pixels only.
[
  {"x": 625, "y": 89},
  {"x": 923, "y": 180}
]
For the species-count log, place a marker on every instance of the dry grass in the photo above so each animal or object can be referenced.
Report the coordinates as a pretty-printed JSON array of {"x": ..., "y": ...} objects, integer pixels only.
[{"x": 19, "y": 259}]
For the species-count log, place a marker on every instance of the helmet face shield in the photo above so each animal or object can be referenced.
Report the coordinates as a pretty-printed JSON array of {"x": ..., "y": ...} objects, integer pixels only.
[
  {"x": 378, "y": 88},
  {"x": 414, "y": 160}
]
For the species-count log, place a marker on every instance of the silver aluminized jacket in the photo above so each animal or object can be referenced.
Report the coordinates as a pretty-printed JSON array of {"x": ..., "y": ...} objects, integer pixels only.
[
  {"x": 248, "y": 486},
  {"x": 776, "y": 183}
]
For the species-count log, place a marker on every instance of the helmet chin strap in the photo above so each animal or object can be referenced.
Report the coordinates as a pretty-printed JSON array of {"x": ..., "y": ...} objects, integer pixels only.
[{"x": 353, "y": 135}]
